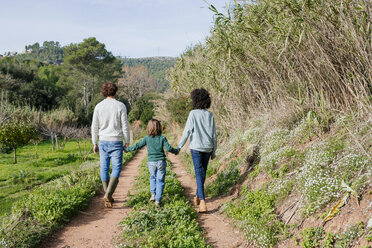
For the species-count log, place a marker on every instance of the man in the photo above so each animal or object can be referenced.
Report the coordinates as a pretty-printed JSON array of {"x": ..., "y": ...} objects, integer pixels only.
[{"x": 110, "y": 123}]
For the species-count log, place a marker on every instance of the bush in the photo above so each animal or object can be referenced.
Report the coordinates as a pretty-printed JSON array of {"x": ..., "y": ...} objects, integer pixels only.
[
  {"x": 224, "y": 181},
  {"x": 179, "y": 108},
  {"x": 254, "y": 213}
]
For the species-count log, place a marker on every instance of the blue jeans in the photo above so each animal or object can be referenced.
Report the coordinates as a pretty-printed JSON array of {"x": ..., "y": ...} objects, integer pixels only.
[
  {"x": 157, "y": 171},
  {"x": 200, "y": 161},
  {"x": 110, "y": 150}
]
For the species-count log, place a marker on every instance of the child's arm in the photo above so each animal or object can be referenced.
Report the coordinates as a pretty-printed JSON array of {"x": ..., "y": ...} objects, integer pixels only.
[
  {"x": 137, "y": 146},
  {"x": 169, "y": 148}
]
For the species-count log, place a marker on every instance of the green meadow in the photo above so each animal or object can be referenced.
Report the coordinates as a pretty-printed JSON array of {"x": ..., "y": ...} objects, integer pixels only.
[{"x": 18, "y": 179}]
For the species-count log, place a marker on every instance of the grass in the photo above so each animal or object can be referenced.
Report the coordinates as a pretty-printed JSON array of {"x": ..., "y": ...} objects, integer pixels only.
[
  {"x": 37, "y": 214},
  {"x": 172, "y": 225},
  {"x": 313, "y": 237},
  {"x": 17, "y": 179},
  {"x": 255, "y": 214}
]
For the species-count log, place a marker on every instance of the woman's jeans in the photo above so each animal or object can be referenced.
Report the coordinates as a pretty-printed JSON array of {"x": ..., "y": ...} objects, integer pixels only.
[
  {"x": 110, "y": 150},
  {"x": 157, "y": 171},
  {"x": 200, "y": 160}
]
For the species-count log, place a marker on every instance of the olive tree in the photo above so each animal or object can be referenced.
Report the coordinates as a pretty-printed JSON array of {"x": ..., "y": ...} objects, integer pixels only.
[{"x": 14, "y": 134}]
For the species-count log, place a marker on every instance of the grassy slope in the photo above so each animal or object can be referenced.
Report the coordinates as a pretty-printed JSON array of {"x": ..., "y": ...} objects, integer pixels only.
[{"x": 15, "y": 179}]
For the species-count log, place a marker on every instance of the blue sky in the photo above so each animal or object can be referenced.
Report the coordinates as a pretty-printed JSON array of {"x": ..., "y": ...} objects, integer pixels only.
[{"x": 132, "y": 28}]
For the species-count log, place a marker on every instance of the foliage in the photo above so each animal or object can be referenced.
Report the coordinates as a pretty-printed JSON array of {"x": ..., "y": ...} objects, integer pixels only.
[
  {"x": 225, "y": 179},
  {"x": 143, "y": 109},
  {"x": 135, "y": 82},
  {"x": 17, "y": 179},
  {"x": 157, "y": 67},
  {"x": 49, "y": 52},
  {"x": 16, "y": 134},
  {"x": 254, "y": 212},
  {"x": 37, "y": 214},
  {"x": 179, "y": 108},
  {"x": 173, "y": 225},
  {"x": 313, "y": 237},
  {"x": 267, "y": 54}
]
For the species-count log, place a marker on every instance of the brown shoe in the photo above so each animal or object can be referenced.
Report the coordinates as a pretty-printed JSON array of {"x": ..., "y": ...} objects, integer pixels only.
[
  {"x": 202, "y": 207},
  {"x": 196, "y": 200}
]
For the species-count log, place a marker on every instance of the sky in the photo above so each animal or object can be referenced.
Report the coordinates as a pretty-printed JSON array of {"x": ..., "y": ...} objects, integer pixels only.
[{"x": 129, "y": 28}]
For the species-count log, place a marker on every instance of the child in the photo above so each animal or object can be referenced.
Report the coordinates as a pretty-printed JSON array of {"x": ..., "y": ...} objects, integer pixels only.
[{"x": 156, "y": 158}]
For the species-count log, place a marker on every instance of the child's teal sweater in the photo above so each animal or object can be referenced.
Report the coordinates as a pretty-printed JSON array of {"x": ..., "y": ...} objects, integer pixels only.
[{"x": 155, "y": 146}]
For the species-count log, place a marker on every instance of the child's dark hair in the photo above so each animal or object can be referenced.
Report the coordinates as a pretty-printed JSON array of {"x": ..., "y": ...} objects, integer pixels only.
[
  {"x": 154, "y": 128},
  {"x": 200, "y": 99}
]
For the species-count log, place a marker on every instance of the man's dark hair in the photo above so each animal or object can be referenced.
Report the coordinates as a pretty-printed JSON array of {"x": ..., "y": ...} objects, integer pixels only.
[
  {"x": 200, "y": 99},
  {"x": 109, "y": 89}
]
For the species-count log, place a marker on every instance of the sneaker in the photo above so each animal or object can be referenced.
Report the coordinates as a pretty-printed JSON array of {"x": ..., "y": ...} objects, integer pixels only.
[
  {"x": 152, "y": 197},
  {"x": 157, "y": 203}
]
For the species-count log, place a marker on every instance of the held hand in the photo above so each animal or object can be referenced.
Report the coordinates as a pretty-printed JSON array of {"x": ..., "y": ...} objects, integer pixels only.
[
  {"x": 213, "y": 157},
  {"x": 125, "y": 147},
  {"x": 95, "y": 149}
]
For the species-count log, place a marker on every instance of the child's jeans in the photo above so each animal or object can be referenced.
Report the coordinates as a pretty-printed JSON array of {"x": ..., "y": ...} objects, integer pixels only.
[
  {"x": 200, "y": 161},
  {"x": 110, "y": 150},
  {"x": 157, "y": 177}
]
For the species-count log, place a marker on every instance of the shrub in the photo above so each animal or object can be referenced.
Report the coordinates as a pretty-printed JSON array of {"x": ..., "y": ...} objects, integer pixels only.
[
  {"x": 179, "y": 108},
  {"x": 254, "y": 213},
  {"x": 224, "y": 181}
]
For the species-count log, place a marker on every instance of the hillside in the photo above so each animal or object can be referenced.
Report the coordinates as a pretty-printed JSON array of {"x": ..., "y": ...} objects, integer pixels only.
[
  {"x": 291, "y": 88},
  {"x": 157, "y": 66}
]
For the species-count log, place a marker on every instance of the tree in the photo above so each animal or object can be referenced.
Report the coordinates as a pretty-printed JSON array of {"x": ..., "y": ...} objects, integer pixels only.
[
  {"x": 135, "y": 82},
  {"x": 89, "y": 58},
  {"x": 15, "y": 134}
]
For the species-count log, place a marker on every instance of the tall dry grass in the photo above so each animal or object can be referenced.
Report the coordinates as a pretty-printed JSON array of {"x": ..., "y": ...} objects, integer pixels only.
[{"x": 315, "y": 54}]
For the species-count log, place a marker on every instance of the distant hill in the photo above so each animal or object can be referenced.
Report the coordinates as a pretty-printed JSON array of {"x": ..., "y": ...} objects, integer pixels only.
[
  {"x": 50, "y": 52},
  {"x": 156, "y": 65}
]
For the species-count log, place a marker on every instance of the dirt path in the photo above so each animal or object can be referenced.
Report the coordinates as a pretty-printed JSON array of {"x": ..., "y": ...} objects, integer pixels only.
[
  {"x": 97, "y": 226},
  {"x": 219, "y": 231}
]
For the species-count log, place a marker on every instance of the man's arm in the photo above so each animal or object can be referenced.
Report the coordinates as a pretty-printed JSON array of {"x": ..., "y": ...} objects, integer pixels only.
[
  {"x": 125, "y": 126},
  {"x": 95, "y": 126}
]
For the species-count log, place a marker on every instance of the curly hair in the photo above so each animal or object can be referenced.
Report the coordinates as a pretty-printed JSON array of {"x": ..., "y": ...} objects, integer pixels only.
[
  {"x": 200, "y": 99},
  {"x": 154, "y": 128},
  {"x": 109, "y": 89}
]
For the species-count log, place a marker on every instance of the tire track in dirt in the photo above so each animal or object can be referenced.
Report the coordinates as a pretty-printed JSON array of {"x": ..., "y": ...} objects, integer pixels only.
[
  {"x": 98, "y": 226},
  {"x": 219, "y": 232}
]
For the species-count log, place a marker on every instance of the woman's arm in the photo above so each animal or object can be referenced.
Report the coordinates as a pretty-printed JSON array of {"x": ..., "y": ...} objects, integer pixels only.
[
  {"x": 214, "y": 138},
  {"x": 137, "y": 146},
  {"x": 186, "y": 132}
]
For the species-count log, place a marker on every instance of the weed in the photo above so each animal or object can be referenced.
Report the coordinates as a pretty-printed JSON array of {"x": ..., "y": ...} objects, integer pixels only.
[
  {"x": 254, "y": 213},
  {"x": 224, "y": 180},
  {"x": 173, "y": 225},
  {"x": 311, "y": 237}
]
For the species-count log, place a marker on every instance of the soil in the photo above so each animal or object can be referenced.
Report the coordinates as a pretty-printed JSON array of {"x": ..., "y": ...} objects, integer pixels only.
[
  {"x": 98, "y": 226},
  {"x": 349, "y": 215},
  {"x": 219, "y": 232}
]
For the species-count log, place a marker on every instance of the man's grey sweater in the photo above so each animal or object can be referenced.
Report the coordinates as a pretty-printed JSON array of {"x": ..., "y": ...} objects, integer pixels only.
[{"x": 110, "y": 121}]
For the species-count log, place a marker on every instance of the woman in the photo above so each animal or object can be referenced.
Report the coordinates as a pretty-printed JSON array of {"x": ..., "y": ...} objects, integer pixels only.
[{"x": 201, "y": 128}]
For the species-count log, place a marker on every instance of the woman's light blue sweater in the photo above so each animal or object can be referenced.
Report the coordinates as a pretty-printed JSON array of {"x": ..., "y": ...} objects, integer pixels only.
[{"x": 201, "y": 128}]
